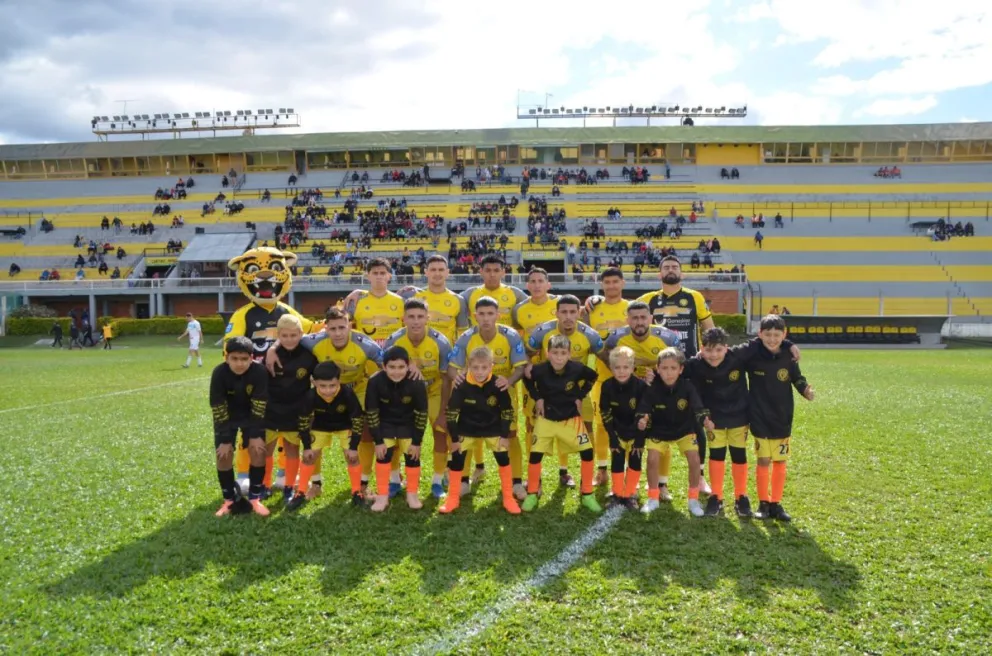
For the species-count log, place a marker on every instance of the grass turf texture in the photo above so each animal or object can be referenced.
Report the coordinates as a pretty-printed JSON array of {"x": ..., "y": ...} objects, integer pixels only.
[{"x": 108, "y": 540}]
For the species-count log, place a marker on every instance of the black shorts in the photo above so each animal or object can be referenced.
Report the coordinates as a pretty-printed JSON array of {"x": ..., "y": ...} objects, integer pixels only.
[{"x": 230, "y": 436}]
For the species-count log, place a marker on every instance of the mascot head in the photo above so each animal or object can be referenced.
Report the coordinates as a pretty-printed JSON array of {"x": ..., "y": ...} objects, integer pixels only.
[{"x": 264, "y": 275}]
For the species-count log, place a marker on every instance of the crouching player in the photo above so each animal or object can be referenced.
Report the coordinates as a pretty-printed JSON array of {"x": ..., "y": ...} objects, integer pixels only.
[
  {"x": 396, "y": 411},
  {"x": 772, "y": 374},
  {"x": 558, "y": 387},
  {"x": 331, "y": 414},
  {"x": 238, "y": 393},
  {"x": 669, "y": 411},
  {"x": 619, "y": 397},
  {"x": 480, "y": 412}
]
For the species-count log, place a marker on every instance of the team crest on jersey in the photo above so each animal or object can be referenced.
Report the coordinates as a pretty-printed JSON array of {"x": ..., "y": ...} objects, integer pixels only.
[
  {"x": 582, "y": 384},
  {"x": 393, "y": 307},
  {"x": 632, "y": 403},
  {"x": 576, "y": 347},
  {"x": 428, "y": 354},
  {"x": 569, "y": 386},
  {"x": 654, "y": 350},
  {"x": 504, "y": 298},
  {"x": 302, "y": 373},
  {"x": 499, "y": 351},
  {"x": 351, "y": 360},
  {"x": 249, "y": 389},
  {"x": 683, "y": 404},
  {"x": 491, "y": 401},
  {"x": 783, "y": 375},
  {"x": 341, "y": 408},
  {"x": 734, "y": 376},
  {"x": 447, "y": 303},
  {"x": 407, "y": 399},
  {"x": 684, "y": 302}
]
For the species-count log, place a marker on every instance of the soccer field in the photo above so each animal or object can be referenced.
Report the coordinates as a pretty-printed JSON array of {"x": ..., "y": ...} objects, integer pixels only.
[{"x": 108, "y": 541}]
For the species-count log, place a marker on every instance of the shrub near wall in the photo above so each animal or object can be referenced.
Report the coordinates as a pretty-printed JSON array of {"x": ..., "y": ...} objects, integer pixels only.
[
  {"x": 735, "y": 324},
  {"x": 34, "y": 325}
]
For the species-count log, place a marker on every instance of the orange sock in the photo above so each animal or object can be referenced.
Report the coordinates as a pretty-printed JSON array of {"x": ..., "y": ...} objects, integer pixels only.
[
  {"x": 454, "y": 498},
  {"x": 739, "y": 472},
  {"x": 693, "y": 492},
  {"x": 633, "y": 480},
  {"x": 533, "y": 478},
  {"x": 269, "y": 461},
  {"x": 761, "y": 474},
  {"x": 718, "y": 469},
  {"x": 306, "y": 471},
  {"x": 654, "y": 493},
  {"x": 355, "y": 476},
  {"x": 778, "y": 481},
  {"x": 292, "y": 468},
  {"x": 585, "y": 482},
  {"x": 506, "y": 480},
  {"x": 413, "y": 479},
  {"x": 382, "y": 470},
  {"x": 618, "y": 485}
]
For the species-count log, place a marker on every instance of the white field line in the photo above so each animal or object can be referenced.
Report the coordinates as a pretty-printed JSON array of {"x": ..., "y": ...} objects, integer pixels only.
[
  {"x": 100, "y": 396},
  {"x": 521, "y": 592}
]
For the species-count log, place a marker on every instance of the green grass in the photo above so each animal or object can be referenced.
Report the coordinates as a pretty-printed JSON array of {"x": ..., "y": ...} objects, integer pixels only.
[{"x": 108, "y": 541}]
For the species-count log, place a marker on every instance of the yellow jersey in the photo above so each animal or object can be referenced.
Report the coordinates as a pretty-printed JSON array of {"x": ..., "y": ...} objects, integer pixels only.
[
  {"x": 585, "y": 341},
  {"x": 377, "y": 317},
  {"x": 528, "y": 315},
  {"x": 430, "y": 356},
  {"x": 506, "y": 296},
  {"x": 360, "y": 358},
  {"x": 507, "y": 347},
  {"x": 646, "y": 351},
  {"x": 446, "y": 312},
  {"x": 609, "y": 316}
]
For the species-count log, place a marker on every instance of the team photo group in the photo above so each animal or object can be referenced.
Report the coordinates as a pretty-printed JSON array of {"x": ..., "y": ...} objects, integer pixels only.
[{"x": 390, "y": 380}]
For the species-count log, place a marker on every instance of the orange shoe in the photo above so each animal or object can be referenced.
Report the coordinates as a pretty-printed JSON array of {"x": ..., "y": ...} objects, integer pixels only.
[
  {"x": 451, "y": 503},
  {"x": 259, "y": 508},
  {"x": 225, "y": 508},
  {"x": 511, "y": 505}
]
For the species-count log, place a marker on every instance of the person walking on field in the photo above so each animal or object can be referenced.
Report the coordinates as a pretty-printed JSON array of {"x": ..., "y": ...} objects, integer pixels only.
[{"x": 195, "y": 332}]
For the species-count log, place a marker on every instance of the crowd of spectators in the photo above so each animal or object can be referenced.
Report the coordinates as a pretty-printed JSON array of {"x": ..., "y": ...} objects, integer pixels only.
[
  {"x": 177, "y": 192},
  {"x": 943, "y": 230},
  {"x": 758, "y": 221},
  {"x": 887, "y": 172},
  {"x": 732, "y": 174}
]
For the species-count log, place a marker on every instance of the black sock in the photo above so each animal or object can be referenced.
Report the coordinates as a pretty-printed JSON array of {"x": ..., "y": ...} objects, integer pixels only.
[
  {"x": 226, "y": 479},
  {"x": 255, "y": 477}
]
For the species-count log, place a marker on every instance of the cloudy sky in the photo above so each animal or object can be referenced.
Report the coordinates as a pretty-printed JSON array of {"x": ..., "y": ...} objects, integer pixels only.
[{"x": 354, "y": 65}]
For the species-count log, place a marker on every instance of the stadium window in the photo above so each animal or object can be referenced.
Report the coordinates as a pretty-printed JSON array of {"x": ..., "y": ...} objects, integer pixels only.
[{"x": 775, "y": 153}]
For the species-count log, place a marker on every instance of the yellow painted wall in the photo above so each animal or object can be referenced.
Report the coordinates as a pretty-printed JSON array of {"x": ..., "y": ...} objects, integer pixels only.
[{"x": 728, "y": 155}]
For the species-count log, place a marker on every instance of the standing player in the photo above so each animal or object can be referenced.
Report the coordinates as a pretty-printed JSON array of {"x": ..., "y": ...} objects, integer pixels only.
[
  {"x": 378, "y": 313},
  {"x": 396, "y": 412},
  {"x": 509, "y": 359},
  {"x": 646, "y": 341},
  {"x": 604, "y": 314},
  {"x": 584, "y": 341},
  {"x": 238, "y": 392},
  {"x": 683, "y": 311},
  {"x": 619, "y": 397},
  {"x": 771, "y": 375},
  {"x": 507, "y": 297},
  {"x": 447, "y": 311},
  {"x": 194, "y": 332},
  {"x": 429, "y": 351},
  {"x": 558, "y": 387},
  {"x": 357, "y": 356}
]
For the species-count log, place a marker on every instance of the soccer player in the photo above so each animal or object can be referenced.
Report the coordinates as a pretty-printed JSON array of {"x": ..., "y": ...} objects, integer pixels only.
[
  {"x": 194, "y": 332},
  {"x": 331, "y": 413},
  {"x": 584, "y": 342},
  {"x": 539, "y": 308},
  {"x": 619, "y": 397},
  {"x": 509, "y": 359},
  {"x": 238, "y": 394},
  {"x": 507, "y": 297},
  {"x": 396, "y": 412},
  {"x": 683, "y": 311},
  {"x": 669, "y": 411},
  {"x": 108, "y": 336},
  {"x": 447, "y": 311},
  {"x": 357, "y": 356},
  {"x": 604, "y": 314},
  {"x": 429, "y": 351},
  {"x": 288, "y": 388},
  {"x": 480, "y": 411},
  {"x": 646, "y": 341},
  {"x": 772, "y": 374},
  {"x": 558, "y": 387},
  {"x": 377, "y": 313}
]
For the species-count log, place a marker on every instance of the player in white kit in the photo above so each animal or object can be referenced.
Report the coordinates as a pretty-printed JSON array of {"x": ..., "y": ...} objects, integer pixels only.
[{"x": 195, "y": 332}]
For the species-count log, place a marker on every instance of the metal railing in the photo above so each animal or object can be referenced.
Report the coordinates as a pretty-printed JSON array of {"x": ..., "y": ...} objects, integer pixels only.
[{"x": 919, "y": 208}]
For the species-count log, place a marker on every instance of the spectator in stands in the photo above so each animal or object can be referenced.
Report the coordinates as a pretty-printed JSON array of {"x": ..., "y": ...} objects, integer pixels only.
[
  {"x": 103, "y": 269},
  {"x": 758, "y": 239},
  {"x": 80, "y": 261},
  {"x": 694, "y": 261},
  {"x": 46, "y": 225},
  {"x": 80, "y": 274},
  {"x": 969, "y": 229},
  {"x": 785, "y": 311},
  {"x": 291, "y": 182},
  {"x": 774, "y": 309},
  {"x": 224, "y": 182},
  {"x": 715, "y": 246},
  {"x": 116, "y": 273},
  {"x": 105, "y": 223},
  {"x": 734, "y": 173},
  {"x": 266, "y": 196},
  {"x": 779, "y": 223},
  {"x": 739, "y": 221},
  {"x": 14, "y": 270},
  {"x": 757, "y": 220},
  {"x": 708, "y": 261},
  {"x": 121, "y": 253}
]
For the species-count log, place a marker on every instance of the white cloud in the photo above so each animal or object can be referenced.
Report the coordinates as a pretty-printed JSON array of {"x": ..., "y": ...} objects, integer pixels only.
[{"x": 894, "y": 107}]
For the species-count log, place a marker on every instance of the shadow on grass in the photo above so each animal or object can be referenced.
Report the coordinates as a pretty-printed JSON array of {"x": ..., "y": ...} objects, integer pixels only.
[
  {"x": 352, "y": 547},
  {"x": 669, "y": 547}
]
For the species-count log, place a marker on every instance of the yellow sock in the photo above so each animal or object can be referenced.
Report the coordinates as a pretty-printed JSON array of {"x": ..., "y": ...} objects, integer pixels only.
[{"x": 366, "y": 456}]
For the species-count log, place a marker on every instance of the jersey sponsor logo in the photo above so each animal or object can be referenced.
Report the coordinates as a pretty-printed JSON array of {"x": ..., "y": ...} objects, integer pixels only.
[
  {"x": 229, "y": 328},
  {"x": 782, "y": 375},
  {"x": 682, "y": 404},
  {"x": 519, "y": 348}
]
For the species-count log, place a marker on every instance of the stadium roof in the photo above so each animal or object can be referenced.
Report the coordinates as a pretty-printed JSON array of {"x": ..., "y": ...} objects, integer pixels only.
[
  {"x": 216, "y": 247},
  {"x": 534, "y": 137}
]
